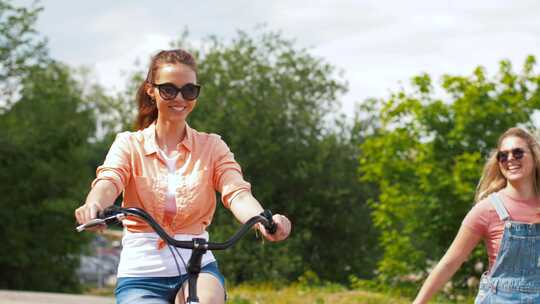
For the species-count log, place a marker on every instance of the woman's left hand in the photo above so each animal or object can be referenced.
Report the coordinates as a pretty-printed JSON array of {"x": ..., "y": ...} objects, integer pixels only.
[{"x": 283, "y": 228}]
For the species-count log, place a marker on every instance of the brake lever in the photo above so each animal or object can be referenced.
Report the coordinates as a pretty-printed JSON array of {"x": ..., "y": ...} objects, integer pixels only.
[
  {"x": 101, "y": 221},
  {"x": 91, "y": 223},
  {"x": 109, "y": 211},
  {"x": 270, "y": 225}
]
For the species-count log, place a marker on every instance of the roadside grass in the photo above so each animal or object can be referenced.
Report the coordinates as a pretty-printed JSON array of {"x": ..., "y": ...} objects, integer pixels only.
[
  {"x": 294, "y": 294},
  {"x": 267, "y": 294},
  {"x": 297, "y": 294}
]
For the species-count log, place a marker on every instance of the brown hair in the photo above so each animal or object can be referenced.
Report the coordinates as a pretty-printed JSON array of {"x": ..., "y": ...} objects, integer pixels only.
[
  {"x": 148, "y": 111},
  {"x": 492, "y": 179}
]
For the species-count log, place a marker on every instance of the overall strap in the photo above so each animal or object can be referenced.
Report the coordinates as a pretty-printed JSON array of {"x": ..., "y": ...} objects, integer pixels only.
[{"x": 498, "y": 203}]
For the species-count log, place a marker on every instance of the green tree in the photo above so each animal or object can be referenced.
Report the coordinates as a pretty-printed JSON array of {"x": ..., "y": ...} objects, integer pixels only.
[
  {"x": 427, "y": 157},
  {"x": 44, "y": 160},
  {"x": 20, "y": 48},
  {"x": 277, "y": 108}
]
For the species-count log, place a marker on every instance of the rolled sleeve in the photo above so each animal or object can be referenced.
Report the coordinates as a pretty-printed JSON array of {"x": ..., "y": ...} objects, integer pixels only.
[
  {"x": 117, "y": 166},
  {"x": 228, "y": 178}
]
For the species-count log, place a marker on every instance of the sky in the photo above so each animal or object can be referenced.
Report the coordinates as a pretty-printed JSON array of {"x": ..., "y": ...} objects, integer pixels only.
[{"x": 378, "y": 45}]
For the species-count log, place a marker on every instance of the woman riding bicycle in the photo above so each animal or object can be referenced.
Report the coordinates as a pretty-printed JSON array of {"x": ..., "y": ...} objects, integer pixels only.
[{"x": 172, "y": 171}]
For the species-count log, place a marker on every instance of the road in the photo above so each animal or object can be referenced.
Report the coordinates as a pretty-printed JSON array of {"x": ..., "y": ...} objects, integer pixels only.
[{"x": 30, "y": 297}]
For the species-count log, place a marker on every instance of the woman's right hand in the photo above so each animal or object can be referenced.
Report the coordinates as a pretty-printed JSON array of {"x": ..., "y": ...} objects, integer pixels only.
[
  {"x": 87, "y": 212},
  {"x": 100, "y": 197}
]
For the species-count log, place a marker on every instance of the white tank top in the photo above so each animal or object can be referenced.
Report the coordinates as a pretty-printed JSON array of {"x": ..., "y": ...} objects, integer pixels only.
[{"x": 140, "y": 256}]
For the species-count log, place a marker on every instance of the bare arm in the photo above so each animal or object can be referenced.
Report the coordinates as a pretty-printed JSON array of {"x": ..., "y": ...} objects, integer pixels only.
[
  {"x": 458, "y": 252},
  {"x": 101, "y": 196},
  {"x": 244, "y": 206}
]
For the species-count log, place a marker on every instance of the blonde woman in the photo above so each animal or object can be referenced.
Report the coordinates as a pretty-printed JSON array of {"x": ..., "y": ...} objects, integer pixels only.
[{"x": 506, "y": 217}]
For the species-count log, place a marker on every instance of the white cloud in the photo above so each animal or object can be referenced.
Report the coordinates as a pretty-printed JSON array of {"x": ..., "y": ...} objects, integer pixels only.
[
  {"x": 378, "y": 44},
  {"x": 111, "y": 71}
]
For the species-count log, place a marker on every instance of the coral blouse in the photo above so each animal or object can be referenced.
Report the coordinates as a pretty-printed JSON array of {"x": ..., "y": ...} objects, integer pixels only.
[{"x": 205, "y": 165}]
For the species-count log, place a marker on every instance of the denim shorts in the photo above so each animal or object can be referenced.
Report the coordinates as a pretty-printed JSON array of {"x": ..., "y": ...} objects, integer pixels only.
[{"x": 157, "y": 290}]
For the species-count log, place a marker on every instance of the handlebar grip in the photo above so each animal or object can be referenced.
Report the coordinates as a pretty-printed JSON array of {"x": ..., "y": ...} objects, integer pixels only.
[
  {"x": 270, "y": 225},
  {"x": 104, "y": 218},
  {"x": 90, "y": 224}
]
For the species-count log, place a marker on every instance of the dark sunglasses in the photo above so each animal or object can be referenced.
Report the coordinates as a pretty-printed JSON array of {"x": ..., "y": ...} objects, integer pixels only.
[
  {"x": 502, "y": 156},
  {"x": 169, "y": 91}
]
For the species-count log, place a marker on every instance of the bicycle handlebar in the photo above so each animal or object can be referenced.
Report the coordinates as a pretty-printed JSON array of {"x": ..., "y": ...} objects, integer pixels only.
[{"x": 117, "y": 214}]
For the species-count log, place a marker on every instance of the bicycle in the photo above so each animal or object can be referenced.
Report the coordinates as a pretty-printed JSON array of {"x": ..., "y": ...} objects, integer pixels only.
[{"x": 198, "y": 245}]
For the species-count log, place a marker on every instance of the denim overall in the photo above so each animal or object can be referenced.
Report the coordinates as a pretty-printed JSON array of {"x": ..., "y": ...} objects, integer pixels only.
[{"x": 515, "y": 277}]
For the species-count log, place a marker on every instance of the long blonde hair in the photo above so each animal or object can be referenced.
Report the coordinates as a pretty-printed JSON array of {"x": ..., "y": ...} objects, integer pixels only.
[{"x": 492, "y": 179}]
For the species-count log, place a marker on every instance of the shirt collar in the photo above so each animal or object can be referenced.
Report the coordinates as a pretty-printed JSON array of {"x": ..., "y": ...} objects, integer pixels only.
[
  {"x": 150, "y": 142},
  {"x": 188, "y": 139}
]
